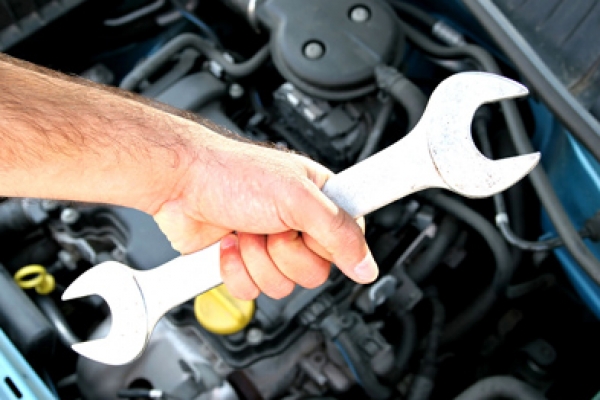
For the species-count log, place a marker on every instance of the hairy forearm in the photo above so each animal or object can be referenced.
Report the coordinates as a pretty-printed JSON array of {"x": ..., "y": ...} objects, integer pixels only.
[{"x": 67, "y": 139}]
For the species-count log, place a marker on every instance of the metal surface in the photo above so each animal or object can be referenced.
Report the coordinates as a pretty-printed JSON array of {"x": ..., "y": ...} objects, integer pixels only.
[{"x": 439, "y": 152}]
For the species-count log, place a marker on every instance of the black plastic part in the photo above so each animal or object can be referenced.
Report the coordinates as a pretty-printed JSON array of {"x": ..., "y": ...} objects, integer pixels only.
[
  {"x": 22, "y": 321},
  {"x": 542, "y": 79},
  {"x": 350, "y": 51},
  {"x": 21, "y": 18},
  {"x": 147, "y": 246}
]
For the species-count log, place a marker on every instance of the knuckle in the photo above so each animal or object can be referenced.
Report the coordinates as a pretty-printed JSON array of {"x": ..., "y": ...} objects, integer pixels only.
[
  {"x": 316, "y": 278},
  {"x": 279, "y": 290}
]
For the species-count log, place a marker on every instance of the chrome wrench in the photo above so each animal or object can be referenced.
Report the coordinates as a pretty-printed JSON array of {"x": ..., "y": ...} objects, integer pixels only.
[{"x": 438, "y": 152}]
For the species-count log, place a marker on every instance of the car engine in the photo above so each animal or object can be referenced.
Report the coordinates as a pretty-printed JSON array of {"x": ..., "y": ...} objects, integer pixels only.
[{"x": 476, "y": 299}]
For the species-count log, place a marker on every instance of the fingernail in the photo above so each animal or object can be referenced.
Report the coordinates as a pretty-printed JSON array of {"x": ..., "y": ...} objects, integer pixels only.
[
  {"x": 366, "y": 271},
  {"x": 228, "y": 242}
]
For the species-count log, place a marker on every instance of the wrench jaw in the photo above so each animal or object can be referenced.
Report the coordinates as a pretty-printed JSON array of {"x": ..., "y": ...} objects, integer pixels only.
[
  {"x": 448, "y": 119},
  {"x": 129, "y": 331}
]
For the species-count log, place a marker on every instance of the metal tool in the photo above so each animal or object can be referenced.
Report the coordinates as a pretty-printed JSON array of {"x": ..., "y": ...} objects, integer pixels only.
[{"x": 438, "y": 152}]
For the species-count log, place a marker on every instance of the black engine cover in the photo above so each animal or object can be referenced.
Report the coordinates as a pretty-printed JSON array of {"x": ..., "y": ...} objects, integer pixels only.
[{"x": 351, "y": 47}]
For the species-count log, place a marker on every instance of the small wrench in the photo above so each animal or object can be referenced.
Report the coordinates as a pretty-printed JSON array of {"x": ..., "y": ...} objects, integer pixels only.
[{"x": 438, "y": 152}]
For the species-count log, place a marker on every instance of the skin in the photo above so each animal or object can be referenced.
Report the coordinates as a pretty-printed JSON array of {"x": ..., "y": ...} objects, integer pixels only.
[{"x": 65, "y": 138}]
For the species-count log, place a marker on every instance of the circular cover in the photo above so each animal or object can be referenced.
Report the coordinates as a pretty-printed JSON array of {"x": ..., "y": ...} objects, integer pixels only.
[
  {"x": 351, "y": 49},
  {"x": 221, "y": 313}
]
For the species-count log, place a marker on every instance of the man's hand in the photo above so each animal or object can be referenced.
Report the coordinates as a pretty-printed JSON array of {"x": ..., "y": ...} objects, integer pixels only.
[
  {"x": 286, "y": 230},
  {"x": 65, "y": 138}
]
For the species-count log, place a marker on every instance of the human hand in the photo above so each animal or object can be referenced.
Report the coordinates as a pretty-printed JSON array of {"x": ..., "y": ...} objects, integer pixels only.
[{"x": 276, "y": 227}]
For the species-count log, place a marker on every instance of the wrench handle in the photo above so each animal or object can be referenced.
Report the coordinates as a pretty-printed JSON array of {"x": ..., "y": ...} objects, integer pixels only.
[{"x": 395, "y": 172}]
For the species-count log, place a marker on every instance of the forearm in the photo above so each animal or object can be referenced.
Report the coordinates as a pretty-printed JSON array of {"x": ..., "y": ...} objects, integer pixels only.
[{"x": 65, "y": 140}]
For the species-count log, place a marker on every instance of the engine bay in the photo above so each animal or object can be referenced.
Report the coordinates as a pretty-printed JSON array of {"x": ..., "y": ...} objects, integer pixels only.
[{"x": 476, "y": 298}]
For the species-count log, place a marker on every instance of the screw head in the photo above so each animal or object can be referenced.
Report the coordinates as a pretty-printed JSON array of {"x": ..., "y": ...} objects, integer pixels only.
[
  {"x": 236, "y": 90},
  {"x": 360, "y": 14},
  {"x": 314, "y": 50},
  {"x": 254, "y": 336},
  {"x": 69, "y": 216}
]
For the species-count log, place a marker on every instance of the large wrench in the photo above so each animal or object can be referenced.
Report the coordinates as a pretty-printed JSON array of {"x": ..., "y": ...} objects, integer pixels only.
[{"x": 438, "y": 152}]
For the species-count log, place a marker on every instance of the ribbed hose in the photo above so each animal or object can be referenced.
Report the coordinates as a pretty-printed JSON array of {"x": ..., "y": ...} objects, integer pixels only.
[
  {"x": 158, "y": 59},
  {"x": 504, "y": 266},
  {"x": 539, "y": 179},
  {"x": 500, "y": 387}
]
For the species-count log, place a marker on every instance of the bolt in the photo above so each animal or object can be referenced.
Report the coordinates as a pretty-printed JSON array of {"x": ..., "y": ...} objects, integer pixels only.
[
  {"x": 236, "y": 91},
  {"x": 69, "y": 216},
  {"x": 254, "y": 336},
  {"x": 49, "y": 205},
  {"x": 359, "y": 14},
  {"x": 313, "y": 50}
]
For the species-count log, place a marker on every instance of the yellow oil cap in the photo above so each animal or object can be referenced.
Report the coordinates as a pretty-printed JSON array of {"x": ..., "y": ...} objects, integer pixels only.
[{"x": 221, "y": 313}]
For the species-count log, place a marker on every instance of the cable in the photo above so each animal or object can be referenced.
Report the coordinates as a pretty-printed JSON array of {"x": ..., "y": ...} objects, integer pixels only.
[
  {"x": 500, "y": 387},
  {"x": 362, "y": 372},
  {"x": 383, "y": 116},
  {"x": 158, "y": 59},
  {"x": 424, "y": 265},
  {"x": 201, "y": 25},
  {"x": 504, "y": 265},
  {"x": 556, "y": 213}
]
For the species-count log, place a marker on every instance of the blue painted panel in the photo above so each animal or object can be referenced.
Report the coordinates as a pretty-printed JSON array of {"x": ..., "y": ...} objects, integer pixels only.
[{"x": 17, "y": 379}]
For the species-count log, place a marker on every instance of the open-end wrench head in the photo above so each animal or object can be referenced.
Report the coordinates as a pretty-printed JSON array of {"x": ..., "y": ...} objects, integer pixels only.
[
  {"x": 116, "y": 284},
  {"x": 448, "y": 119}
]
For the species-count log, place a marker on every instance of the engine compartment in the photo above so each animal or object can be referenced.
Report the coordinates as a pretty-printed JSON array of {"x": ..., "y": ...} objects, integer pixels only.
[{"x": 464, "y": 307}]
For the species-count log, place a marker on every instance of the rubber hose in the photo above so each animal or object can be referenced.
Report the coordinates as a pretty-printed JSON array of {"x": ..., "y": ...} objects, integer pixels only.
[
  {"x": 406, "y": 93},
  {"x": 504, "y": 266},
  {"x": 435, "y": 252},
  {"x": 364, "y": 373},
  {"x": 538, "y": 177},
  {"x": 502, "y": 221},
  {"x": 406, "y": 348},
  {"x": 423, "y": 382},
  {"x": 383, "y": 116},
  {"x": 503, "y": 387},
  {"x": 154, "y": 62},
  {"x": 414, "y": 12},
  {"x": 62, "y": 328}
]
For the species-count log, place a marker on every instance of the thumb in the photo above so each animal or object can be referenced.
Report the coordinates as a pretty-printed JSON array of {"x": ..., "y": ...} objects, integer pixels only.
[{"x": 333, "y": 230}]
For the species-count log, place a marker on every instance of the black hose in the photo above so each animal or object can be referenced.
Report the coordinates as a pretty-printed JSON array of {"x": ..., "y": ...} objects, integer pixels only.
[
  {"x": 362, "y": 371},
  {"x": 504, "y": 265},
  {"x": 201, "y": 25},
  {"x": 423, "y": 382},
  {"x": 406, "y": 93},
  {"x": 154, "y": 62},
  {"x": 53, "y": 314},
  {"x": 406, "y": 347},
  {"x": 500, "y": 387},
  {"x": 414, "y": 12},
  {"x": 383, "y": 116},
  {"x": 502, "y": 222},
  {"x": 539, "y": 179},
  {"x": 424, "y": 265}
]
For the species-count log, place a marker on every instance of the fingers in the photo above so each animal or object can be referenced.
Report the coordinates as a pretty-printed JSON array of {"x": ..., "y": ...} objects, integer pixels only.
[
  {"x": 335, "y": 232},
  {"x": 233, "y": 270},
  {"x": 296, "y": 261}
]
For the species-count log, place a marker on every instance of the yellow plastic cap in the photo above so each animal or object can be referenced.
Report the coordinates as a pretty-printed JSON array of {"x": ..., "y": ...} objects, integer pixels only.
[{"x": 221, "y": 313}]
